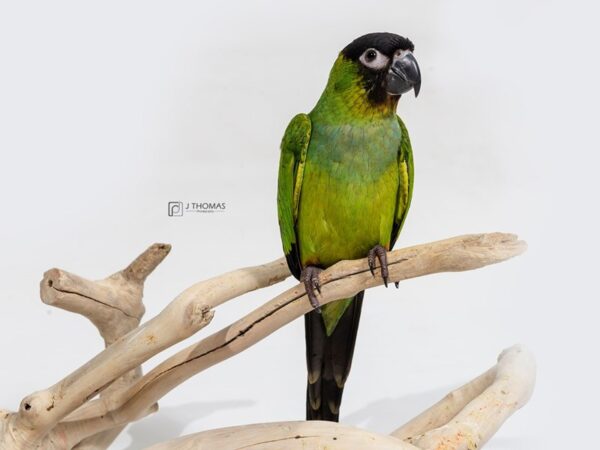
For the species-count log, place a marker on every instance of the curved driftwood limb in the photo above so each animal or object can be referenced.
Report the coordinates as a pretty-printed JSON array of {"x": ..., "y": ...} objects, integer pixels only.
[
  {"x": 66, "y": 416},
  {"x": 464, "y": 420},
  {"x": 313, "y": 435},
  {"x": 188, "y": 313},
  {"x": 442, "y": 412},
  {"x": 114, "y": 305},
  {"x": 214, "y": 293},
  {"x": 472, "y": 426},
  {"x": 92, "y": 433},
  {"x": 340, "y": 281}
]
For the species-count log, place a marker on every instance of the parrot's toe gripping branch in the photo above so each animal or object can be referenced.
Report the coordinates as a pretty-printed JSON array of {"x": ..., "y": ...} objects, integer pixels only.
[
  {"x": 380, "y": 253},
  {"x": 310, "y": 278}
]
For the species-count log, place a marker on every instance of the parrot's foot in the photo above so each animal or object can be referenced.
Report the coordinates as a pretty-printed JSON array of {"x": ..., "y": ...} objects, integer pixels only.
[
  {"x": 380, "y": 253},
  {"x": 310, "y": 278}
]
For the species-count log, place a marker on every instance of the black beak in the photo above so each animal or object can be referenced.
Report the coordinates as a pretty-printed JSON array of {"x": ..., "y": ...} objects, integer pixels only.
[{"x": 404, "y": 75}]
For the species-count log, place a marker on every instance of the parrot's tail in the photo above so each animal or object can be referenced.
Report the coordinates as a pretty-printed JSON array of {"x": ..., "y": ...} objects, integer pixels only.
[{"x": 329, "y": 359}]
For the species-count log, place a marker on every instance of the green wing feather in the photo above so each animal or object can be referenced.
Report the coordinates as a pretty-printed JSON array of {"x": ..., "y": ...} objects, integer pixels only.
[
  {"x": 405, "y": 187},
  {"x": 294, "y": 147}
]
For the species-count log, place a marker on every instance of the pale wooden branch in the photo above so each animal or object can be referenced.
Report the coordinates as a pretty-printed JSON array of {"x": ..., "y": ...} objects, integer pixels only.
[
  {"x": 313, "y": 435},
  {"x": 64, "y": 415},
  {"x": 442, "y": 412},
  {"x": 464, "y": 420},
  {"x": 340, "y": 281},
  {"x": 189, "y": 312},
  {"x": 114, "y": 305},
  {"x": 481, "y": 417}
]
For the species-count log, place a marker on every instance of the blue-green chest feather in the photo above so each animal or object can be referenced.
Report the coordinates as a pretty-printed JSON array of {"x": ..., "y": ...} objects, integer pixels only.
[{"x": 349, "y": 190}]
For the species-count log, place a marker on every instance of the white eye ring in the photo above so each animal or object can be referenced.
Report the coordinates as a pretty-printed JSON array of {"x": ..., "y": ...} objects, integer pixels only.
[{"x": 374, "y": 59}]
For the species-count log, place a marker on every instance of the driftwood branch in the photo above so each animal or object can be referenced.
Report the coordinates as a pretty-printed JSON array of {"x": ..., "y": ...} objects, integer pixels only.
[
  {"x": 464, "y": 420},
  {"x": 66, "y": 415},
  {"x": 114, "y": 305},
  {"x": 468, "y": 417},
  {"x": 311, "y": 435}
]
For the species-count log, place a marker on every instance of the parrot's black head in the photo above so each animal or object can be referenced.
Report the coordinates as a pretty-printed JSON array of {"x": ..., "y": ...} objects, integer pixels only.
[{"x": 386, "y": 65}]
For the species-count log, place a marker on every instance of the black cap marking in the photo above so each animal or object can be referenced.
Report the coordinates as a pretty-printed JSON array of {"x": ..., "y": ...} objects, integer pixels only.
[{"x": 386, "y": 43}]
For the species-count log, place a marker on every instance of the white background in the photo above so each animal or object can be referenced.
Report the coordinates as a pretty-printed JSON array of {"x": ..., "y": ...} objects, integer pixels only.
[{"x": 108, "y": 110}]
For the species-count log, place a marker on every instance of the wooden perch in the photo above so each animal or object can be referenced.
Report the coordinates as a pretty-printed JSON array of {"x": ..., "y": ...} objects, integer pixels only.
[
  {"x": 65, "y": 415},
  {"x": 468, "y": 417},
  {"x": 114, "y": 305},
  {"x": 464, "y": 420}
]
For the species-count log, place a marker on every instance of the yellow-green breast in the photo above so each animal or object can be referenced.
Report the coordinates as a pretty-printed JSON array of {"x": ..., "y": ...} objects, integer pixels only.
[{"x": 349, "y": 190}]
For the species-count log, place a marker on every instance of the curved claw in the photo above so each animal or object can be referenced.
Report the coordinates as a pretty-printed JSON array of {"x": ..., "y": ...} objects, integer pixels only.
[
  {"x": 316, "y": 283},
  {"x": 381, "y": 253},
  {"x": 310, "y": 278}
]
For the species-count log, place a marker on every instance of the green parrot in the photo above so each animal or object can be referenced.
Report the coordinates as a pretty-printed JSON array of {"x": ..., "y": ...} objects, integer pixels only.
[{"x": 344, "y": 187}]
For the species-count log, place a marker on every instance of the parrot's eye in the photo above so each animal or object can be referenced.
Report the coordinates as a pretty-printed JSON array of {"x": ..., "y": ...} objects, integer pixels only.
[{"x": 374, "y": 59}]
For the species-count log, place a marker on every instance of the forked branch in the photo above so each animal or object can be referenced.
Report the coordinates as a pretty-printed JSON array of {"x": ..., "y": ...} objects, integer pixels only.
[{"x": 65, "y": 414}]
